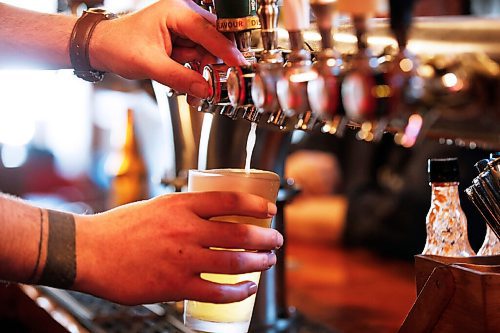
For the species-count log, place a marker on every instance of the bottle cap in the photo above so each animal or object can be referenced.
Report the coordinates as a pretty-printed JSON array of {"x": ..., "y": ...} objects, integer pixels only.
[{"x": 443, "y": 170}]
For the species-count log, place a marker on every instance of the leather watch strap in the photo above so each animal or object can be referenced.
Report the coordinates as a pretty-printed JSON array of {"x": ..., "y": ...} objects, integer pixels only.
[{"x": 80, "y": 41}]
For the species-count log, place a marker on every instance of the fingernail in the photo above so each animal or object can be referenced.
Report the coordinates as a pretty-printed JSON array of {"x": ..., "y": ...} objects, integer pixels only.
[
  {"x": 271, "y": 209},
  {"x": 199, "y": 89},
  {"x": 252, "y": 289},
  {"x": 279, "y": 240},
  {"x": 271, "y": 259}
]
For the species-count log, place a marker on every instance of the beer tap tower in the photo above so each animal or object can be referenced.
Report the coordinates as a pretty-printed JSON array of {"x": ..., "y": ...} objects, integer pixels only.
[{"x": 238, "y": 18}]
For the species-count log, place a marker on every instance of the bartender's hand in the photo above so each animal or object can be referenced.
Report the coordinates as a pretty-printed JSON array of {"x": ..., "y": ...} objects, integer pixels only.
[
  {"x": 154, "y": 250},
  {"x": 155, "y": 43},
  {"x": 152, "y": 43}
]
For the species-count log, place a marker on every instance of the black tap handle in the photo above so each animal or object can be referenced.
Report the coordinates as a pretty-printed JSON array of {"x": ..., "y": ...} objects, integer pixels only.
[{"x": 401, "y": 17}]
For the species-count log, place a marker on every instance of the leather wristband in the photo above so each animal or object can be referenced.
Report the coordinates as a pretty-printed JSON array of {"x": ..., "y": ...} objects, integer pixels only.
[{"x": 80, "y": 41}]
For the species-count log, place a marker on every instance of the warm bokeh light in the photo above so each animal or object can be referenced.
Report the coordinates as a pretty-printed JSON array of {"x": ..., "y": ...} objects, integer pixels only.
[
  {"x": 425, "y": 71},
  {"x": 449, "y": 80},
  {"x": 406, "y": 65}
]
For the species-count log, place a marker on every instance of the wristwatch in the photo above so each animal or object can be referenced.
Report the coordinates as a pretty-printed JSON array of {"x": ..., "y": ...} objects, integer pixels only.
[{"x": 80, "y": 40}]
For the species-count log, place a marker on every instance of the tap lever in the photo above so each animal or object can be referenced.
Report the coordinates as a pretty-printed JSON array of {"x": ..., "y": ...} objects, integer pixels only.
[
  {"x": 401, "y": 17},
  {"x": 296, "y": 15},
  {"x": 268, "y": 14},
  {"x": 360, "y": 11},
  {"x": 324, "y": 10},
  {"x": 292, "y": 87}
]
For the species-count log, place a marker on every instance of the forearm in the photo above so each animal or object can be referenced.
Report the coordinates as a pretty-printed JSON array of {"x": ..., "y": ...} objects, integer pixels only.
[
  {"x": 20, "y": 226},
  {"x": 29, "y": 38}
]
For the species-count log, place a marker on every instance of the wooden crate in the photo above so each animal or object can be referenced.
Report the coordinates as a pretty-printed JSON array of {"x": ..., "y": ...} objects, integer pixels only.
[{"x": 455, "y": 295}]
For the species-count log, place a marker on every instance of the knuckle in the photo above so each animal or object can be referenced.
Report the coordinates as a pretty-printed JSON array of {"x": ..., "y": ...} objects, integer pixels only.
[
  {"x": 237, "y": 262},
  {"x": 264, "y": 262},
  {"x": 242, "y": 234},
  {"x": 233, "y": 201},
  {"x": 220, "y": 294}
]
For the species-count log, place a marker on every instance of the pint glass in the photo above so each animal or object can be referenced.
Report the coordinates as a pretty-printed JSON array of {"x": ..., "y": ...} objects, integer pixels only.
[{"x": 232, "y": 317}]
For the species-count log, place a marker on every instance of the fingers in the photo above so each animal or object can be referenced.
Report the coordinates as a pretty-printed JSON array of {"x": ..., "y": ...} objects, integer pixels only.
[
  {"x": 187, "y": 54},
  {"x": 236, "y": 236},
  {"x": 206, "y": 291},
  {"x": 205, "y": 34},
  {"x": 234, "y": 262},
  {"x": 172, "y": 74},
  {"x": 210, "y": 17},
  {"x": 211, "y": 204}
]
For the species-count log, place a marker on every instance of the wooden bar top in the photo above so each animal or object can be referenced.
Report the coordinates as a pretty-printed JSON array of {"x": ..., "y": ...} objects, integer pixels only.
[{"x": 349, "y": 291}]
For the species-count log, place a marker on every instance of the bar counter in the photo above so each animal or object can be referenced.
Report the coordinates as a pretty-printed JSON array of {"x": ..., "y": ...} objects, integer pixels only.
[
  {"x": 349, "y": 291},
  {"x": 339, "y": 290}
]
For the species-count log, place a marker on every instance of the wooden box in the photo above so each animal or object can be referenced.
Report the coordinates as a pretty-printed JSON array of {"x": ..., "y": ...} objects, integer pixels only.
[{"x": 455, "y": 295}]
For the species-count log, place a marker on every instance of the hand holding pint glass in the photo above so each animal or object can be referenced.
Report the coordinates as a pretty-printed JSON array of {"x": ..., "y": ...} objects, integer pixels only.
[{"x": 232, "y": 317}]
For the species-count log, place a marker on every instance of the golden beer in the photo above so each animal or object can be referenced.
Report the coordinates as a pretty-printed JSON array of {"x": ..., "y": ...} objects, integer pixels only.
[{"x": 232, "y": 317}]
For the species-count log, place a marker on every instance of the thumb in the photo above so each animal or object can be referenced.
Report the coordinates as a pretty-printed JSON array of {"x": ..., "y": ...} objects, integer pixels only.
[{"x": 180, "y": 78}]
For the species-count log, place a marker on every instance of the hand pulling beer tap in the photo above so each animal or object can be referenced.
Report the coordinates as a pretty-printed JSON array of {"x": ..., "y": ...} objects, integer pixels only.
[
  {"x": 364, "y": 90},
  {"x": 325, "y": 89},
  {"x": 237, "y": 18},
  {"x": 270, "y": 67},
  {"x": 292, "y": 87},
  {"x": 241, "y": 79}
]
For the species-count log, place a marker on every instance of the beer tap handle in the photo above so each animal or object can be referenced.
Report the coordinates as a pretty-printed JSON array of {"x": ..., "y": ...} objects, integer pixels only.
[
  {"x": 360, "y": 11},
  {"x": 401, "y": 18},
  {"x": 268, "y": 15},
  {"x": 296, "y": 19},
  {"x": 238, "y": 17},
  {"x": 324, "y": 10}
]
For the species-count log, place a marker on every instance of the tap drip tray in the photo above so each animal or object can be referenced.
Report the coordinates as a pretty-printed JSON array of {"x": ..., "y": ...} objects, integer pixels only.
[{"x": 81, "y": 312}]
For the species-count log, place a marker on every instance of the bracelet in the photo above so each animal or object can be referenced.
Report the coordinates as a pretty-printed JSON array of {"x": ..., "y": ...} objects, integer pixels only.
[
  {"x": 80, "y": 41},
  {"x": 60, "y": 267}
]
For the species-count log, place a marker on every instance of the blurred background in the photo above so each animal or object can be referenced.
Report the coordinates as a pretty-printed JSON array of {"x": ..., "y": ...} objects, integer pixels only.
[{"x": 63, "y": 145}]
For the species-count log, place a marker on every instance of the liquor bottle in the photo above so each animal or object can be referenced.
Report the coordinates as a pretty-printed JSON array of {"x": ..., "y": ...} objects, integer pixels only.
[
  {"x": 491, "y": 244},
  {"x": 446, "y": 222},
  {"x": 130, "y": 182}
]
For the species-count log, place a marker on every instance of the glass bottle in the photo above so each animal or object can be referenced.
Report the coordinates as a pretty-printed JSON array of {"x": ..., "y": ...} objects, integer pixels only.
[
  {"x": 130, "y": 182},
  {"x": 491, "y": 244},
  {"x": 446, "y": 222}
]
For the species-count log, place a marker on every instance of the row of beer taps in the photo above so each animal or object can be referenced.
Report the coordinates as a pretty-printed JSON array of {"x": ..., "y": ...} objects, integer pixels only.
[{"x": 300, "y": 88}]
